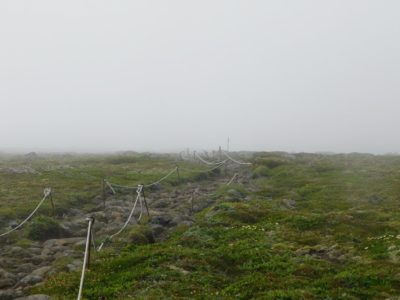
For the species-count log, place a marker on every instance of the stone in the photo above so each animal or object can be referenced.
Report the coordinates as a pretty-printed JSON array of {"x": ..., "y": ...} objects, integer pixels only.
[
  {"x": 6, "y": 279},
  {"x": 41, "y": 271},
  {"x": 30, "y": 280},
  {"x": 289, "y": 203},
  {"x": 7, "y": 294},
  {"x": 34, "y": 297},
  {"x": 164, "y": 220},
  {"x": 25, "y": 268}
]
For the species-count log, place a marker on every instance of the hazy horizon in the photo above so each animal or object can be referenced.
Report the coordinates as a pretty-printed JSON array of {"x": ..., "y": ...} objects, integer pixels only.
[{"x": 163, "y": 76}]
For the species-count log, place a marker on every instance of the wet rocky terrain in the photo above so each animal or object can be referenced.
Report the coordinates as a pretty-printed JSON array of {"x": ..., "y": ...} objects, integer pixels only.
[{"x": 28, "y": 265}]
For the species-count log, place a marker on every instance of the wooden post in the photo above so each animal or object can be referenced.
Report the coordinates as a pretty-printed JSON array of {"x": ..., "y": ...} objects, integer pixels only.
[
  {"x": 52, "y": 204},
  {"x": 191, "y": 203},
  {"x": 91, "y": 222},
  {"x": 104, "y": 193},
  {"x": 86, "y": 257},
  {"x": 179, "y": 175},
  {"x": 145, "y": 202}
]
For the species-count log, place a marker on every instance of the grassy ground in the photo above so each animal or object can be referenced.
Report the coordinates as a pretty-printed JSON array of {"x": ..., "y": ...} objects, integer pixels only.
[
  {"x": 76, "y": 179},
  {"x": 305, "y": 227}
]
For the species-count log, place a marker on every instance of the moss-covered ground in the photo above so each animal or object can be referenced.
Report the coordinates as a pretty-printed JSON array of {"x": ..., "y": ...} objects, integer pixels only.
[{"x": 306, "y": 226}]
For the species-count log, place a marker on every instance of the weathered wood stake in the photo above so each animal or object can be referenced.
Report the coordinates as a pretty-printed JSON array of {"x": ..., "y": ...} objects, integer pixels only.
[
  {"x": 53, "y": 208},
  {"x": 145, "y": 202}
]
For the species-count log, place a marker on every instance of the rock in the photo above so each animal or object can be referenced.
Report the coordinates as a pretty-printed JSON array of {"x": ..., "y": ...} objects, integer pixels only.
[
  {"x": 164, "y": 220},
  {"x": 116, "y": 216},
  {"x": 72, "y": 268},
  {"x": 35, "y": 250},
  {"x": 323, "y": 252},
  {"x": 175, "y": 268},
  {"x": 181, "y": 220},
  {"x": 30, "y": 280},
  {"x": 7, "y": 294},
  {"x": 291, "y": 204},
  {"x": 157, "y": 230},
  {"x": 25, "y": 268},
  {"x": 13, "y": 224},
  {"x": 34, "y": 297},
  {"x": 41, "y": 271},
  {"x": 61, "y": 242},
  {"x": 36, "y": 260},
  {"x": 6, "y": 279},
  {"x": 17, "y": 251},
  {"x": 375, "y": 199},
  {"x": 99, "y": 216}
]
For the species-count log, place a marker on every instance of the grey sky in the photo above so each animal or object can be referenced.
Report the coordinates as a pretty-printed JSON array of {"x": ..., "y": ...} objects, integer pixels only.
[{"x": 165, "y": 75}]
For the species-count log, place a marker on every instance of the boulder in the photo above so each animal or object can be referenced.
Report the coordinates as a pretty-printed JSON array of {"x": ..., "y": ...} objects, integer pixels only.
[
  {"x": 6, "y": 279},
  {"x": 163, "y": 220},
  {"x": 289, "y": 203},
  {"x": 34, "y": 297},
  {"x": 30, "y": 280},
  {"x": 7, "y": 294}
]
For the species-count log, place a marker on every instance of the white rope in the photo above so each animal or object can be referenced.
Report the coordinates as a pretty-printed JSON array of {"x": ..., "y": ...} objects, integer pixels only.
[
  {"x": 111, "y": 185},
  {"x": 47, "y": 192},
  {"x": 235, "y": 161},
  {"x": 205, "y": 171},
  {"x": 162, "y": 179},
  {"x": 139, "y": 193},
  {"x": 85, "y": 258},
  {"x": 233, "y": 178},
  {"x": 207, "y": 162}
]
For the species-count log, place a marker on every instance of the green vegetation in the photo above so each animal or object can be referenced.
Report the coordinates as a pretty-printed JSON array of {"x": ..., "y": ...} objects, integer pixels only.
[
  {"x": 304, "y": 226},
  {"x": 43, "y": 228},
  {"x": 77, "y": 179}
]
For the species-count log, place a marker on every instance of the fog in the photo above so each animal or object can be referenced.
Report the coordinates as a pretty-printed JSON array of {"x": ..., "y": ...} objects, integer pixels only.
[{"x": 166, "y": 75}]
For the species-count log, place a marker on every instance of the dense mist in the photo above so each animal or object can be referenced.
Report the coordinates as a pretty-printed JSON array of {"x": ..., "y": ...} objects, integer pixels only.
[{"x": 167, "y": 75}]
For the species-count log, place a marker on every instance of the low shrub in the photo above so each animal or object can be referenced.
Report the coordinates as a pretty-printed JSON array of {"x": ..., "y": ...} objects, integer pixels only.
[{"x": 43, "y": 228}]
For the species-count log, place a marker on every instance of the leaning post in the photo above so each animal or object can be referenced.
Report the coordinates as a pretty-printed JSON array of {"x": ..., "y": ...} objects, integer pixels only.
[{"x": 86, "y": 257}]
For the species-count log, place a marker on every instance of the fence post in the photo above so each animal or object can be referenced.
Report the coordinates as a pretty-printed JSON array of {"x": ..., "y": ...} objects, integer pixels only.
[
  {"x": 191, "y": 202},
  {"x": 52, "y": 203},
  {"x": 86, "y": 257},
  {"x": 179, "y": 175},
  {"x": 145, "y": 202},
  {"x": 104, "y": 193}
]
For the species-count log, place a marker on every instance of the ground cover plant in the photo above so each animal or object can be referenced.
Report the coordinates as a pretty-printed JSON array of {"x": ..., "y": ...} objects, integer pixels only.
[{"x": 303, "y": 226}]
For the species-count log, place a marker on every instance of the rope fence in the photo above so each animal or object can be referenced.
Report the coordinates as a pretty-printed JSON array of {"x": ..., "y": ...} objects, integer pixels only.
[
  {"x": 208, "y": 170},
  {"x": 47, "y": 193},
  {"x": 233, "y": 178},
  {"x": 234, "y": 160},
  {"x": 205, "y": 161},
  {"x": 138, "y": 198},
  {"x": 112, "y": 186}
]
